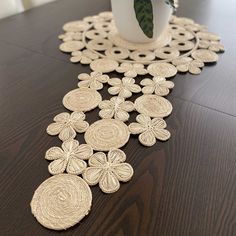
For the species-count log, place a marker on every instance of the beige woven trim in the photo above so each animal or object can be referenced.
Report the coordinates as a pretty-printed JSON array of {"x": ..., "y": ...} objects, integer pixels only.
[
  {"x": 61, "y": 201},
  {"x": 106, "y": 134},
  {"x": 82, "y": 99}
]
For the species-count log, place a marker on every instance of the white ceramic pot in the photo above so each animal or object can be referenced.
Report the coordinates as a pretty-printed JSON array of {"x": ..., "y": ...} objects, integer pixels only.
[{"x": 127, "y": 23}]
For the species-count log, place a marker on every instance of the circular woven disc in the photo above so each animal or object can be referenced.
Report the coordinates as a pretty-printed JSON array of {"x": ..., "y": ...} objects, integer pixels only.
[
  {"x": 61, "y": 201},
  {"x": 82, "y": 99},
  {"x": 106, "y": 134},
  {"x": 71, "y": 46},
  {"x": 205, "y": 55},
  {"x": 162, "y": 69},
  {"x": 153, "y": 106},
  {"x": 104, "y": 65}
]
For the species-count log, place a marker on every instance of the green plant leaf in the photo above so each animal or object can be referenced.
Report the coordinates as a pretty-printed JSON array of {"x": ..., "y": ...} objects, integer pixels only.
[
  {"x": 173, "y": 3},
  {"x": 144, "y": 15}
]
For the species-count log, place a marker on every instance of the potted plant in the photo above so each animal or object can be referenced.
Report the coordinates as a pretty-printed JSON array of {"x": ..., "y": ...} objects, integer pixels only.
[{"x": 142, "y": 21}]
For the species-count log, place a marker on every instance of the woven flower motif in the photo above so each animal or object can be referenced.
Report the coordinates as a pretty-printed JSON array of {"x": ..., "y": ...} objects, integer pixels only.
[
  {"x": 70, "y": 36},
  {"x": 124, "y": 88},
  {"x": 94, "y": 81},
  {"x": 149, "y": 130},
  {"x": 108, "y": 170},
  {"x": 69, "y": 158},
  {"x": 214, "y": 46},
  {"x": 186, "y": 64},
  {"x": 66, "y": 125},
  {"x": 116, "y": 107},
  {"x": 158, "y": 85},
  {"x": 131, "y": 70},
  {"x": 84, "y": 57}
]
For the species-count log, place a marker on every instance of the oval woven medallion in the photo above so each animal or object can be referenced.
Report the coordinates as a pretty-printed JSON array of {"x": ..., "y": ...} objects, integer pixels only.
[
  {"x": 82, "y": 99},
  {"x": 106, "y": 134},
  {"x": 61, "y": 201},
  {"x": 153, "y": 106},
  {"x": 162, "y": 69}
]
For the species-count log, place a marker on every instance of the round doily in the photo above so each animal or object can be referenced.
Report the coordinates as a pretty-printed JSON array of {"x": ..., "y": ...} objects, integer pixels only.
[
  {"x": 153, "y": 106},
  {"x": 82, "y": 99},
  {"x": 106, "y": 134},
  {"x": 61, "y": 201},
  {"x": 183, "y": 39}
]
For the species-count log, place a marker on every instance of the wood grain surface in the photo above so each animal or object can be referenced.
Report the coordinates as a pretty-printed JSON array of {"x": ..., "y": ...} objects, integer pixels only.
[{"x": 183, "y": 187}]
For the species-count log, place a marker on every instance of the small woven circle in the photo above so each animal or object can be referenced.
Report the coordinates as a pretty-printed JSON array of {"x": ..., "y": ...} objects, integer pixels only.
[
  {"x": 208, "y": 36},
  {"x": 205, "y": 55},
  {"x": 167, "y": 53},
  {"x": 182, "y": 46},
  {"x": 76, "y": 26},
  {"x": 105, "y": 26},
  {"x": 82, "y": 99},
  {"x": 104, "y": 65},
  {"x": 95, "y": 34},
  {"x": 182, "y": 35},
  {"x": 61, "y": 201},
  {"x": 153, "y": 106},
  {"x": 99, "y": 44},
  {"x": 71, "y": 46},
  {"x": 142, "y": 56},
  {"x": 106, "y": 134},
  {"x": 117, "y": 53},
  {"x": 176, "y": 27},
  {"x": 162, "y": 69}
]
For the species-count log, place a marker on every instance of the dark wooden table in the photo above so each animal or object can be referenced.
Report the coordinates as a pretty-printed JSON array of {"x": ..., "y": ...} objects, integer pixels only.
[{"x": 183, "y": 187}]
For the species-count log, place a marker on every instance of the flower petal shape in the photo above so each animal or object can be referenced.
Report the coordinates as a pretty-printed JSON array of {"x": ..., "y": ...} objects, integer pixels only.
[
  {"x": 55, "y": 128},
  {"x": 114, "y": 90},
  {"x": 148, "y": 89},
  {"x": 58, "y": 166},
  {"x": 127, "y": 106},
  {"x": 134, "y": 88},
  {"x": 143, "y": 119},
  {"x": 62, "y": 117},
  {"x": 123, "y": 172},
  {"x": 84, "y": 76},
  {"x": 75, "y": 166},
  {"x": 96, "y": 85},
  {"x": 67, "y": 133},
  {"x": 98, "y": 159},
  {"x": 147, "y": 138},
  {"x": 84, "y": 84},
  {"x": 106, "y": 113},
  {"x": 92, "y": 175},
  {"x": 109, "y": 182},
  {"x": 70, "y": 145},
  {"x": 105, "y": 104},
  {"x": 131, "y": 73},
  {"x": 114, "y": 82},
  {"x": 124, "y": 92},
  {"x": 158, "y": 123},
  {"x": 136, "y": 128},
  {"x": 54, "y": 153},
  {"x": 161, "y": 134},
  {"x": 83, "y": 151},
  {"x": 121, "y": 115},
  {"x": 116, "y": 156},
  {"x": 147, "y": 82},
  {"x": 80, "y": 126},
  {"x": 77, "y": 116}
]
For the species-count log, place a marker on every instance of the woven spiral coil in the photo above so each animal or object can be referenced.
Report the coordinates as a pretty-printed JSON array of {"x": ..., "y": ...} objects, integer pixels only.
[
  {"x": 106, "y": 134},
  {"x": 61, "y": 201}
]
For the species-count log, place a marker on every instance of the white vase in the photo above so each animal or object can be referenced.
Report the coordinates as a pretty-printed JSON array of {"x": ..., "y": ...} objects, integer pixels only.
[{"x": 128, "y": 26}]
